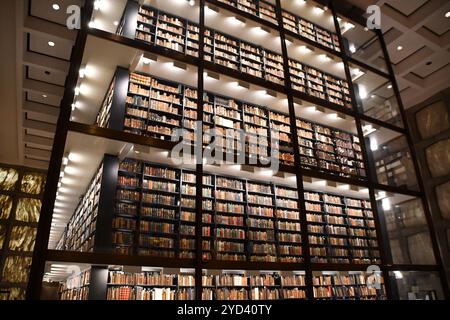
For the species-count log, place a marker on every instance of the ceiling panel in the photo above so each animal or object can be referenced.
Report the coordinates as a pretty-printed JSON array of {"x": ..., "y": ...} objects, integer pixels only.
[
  {"x": 50, "y": 100},
  {"x": 406, "y": 7},
  {"x": 41, "y": 117},
  {"x": 44, "y": 9},
  {"x": 437, "y": 22},
  {"x": 39, "y": 133},
  {"x": 410, "y": 44},
  {"x": 438, "y": 60},
  {"x": 42, "y": 74},
  {"x": 38, "y": 146},
  {"x": 39, "y": 43}
]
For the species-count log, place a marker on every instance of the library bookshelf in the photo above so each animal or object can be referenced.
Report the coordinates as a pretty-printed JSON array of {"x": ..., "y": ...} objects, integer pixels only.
[{"x": 215, "y": 231}]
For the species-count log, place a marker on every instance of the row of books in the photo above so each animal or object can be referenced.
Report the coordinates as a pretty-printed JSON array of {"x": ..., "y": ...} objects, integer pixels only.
[
  {"x": 243, "y": 56},
  {"x": 79, "y": 233},
  {"x": 352, "y": 286},
  {"x": 291, "y": 22},
  {"x": 158, "y": 285},
  {"x": 262, "y": 205},
  {"x": 339, "y": 152}
]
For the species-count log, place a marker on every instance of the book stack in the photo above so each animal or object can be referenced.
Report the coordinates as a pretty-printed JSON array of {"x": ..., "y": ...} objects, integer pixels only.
[
  {"x": 162, "y": 29},
  {"x": 76, "y": 287},
  {"x": 80, "y": 231}
]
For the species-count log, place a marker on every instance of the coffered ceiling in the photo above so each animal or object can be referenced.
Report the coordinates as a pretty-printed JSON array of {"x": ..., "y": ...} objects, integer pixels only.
[
  {"x": 420, "y": 28},
  {"x": 37, "y": 61}
]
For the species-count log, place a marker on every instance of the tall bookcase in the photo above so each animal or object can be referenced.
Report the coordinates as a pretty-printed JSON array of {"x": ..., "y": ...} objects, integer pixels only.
[{"x": 275, "y": 227}]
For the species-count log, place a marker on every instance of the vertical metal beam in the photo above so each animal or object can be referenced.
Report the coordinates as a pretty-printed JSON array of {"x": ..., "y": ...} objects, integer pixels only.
[
  {"x": 106, "y": 204},
  {"x": 368, "y": 166},
  {"x": 199, "y": 158},
  {"x": 297, "y": 159},
  {"x": 40, "y": 250},
  {"x": 443, "y": 275}
]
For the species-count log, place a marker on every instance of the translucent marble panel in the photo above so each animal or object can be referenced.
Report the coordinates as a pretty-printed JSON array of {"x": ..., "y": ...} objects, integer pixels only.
[
  {"x": 438, "y": 158},
  {"x": 22, "y": 238},
  {"x": 33, "y": 183},
  {"x": 16, "y": 269},
  {"x": 2, "y": 235},
  {"x": 28, "y": 210},
  {"x": 433, "y": 119},
  {"x": 12, "y": 294},
  {"x": 8, "y": 178},
  {"x": 443, "y": 198},
  {"x": 5, "y": 206}
]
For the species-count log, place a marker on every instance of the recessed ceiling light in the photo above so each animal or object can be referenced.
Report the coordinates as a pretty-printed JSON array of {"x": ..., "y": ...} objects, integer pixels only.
[
  {"x": 399, "y": 48},
  {"x": 192, "y": 3},
  {"x": 55, "y": 6},
  {"x": 47, "y": 72},
  {"x": 389, "y": 86},
  {"x": 44, "y": 96},
  {"x": 51, "y": 43},
  {"x": 352, "y": 48},
  {"x": 447, "y": 14},
  {"x": 429, "y": 63},
  {"x": 318, "y": 10},
  {"x": 82, "y": 72},
  {"x": 116, "y": 23}
]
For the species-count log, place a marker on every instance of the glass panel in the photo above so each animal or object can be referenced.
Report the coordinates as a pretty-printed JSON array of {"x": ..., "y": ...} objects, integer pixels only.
[
  {"x": 22, "y": 238},
  {"x": 406, "y": 227},
  {"x": 5, "y": 206},
  {"x": 416, "y": 285},
  {"x": 254, "y": 285},
  {"x": 72, "y": 282},
  {"x": 390, "y": 157},
  {"x": 362, "y": 44},
  {"x": 375, "y": 96},
  {"x": 350, "y": 285},
  {"x": 8, "y": 178},
  {"x": 242, "y": 45},
  {"x": 443, "y": 198},
  {"x": 341, "y": 225},
  {"x": 33, "y": 183},
  {"x": 438, "y": 158},
  {"x": 433, "y": 119},
  {"x": 317, "y": 16},
  {"x": 28, "y": 210},
  {"x": 16, "y": 269}
]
